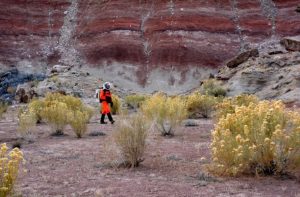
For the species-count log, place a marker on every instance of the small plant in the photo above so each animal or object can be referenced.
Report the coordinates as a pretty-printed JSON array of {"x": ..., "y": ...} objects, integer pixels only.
[
  {"x": 200, "y": 105},
  {"x": 27, "y": 121},
  {"x": 115, "y": 109},
  {"x": 262, "y": 138},
  {"x": 3, "y": 109},
  {"x": 228, "y": 105},
  {"x": 9, "y": 168},
  {"x": 213, "y": 88},
  {"x": 78, "y": 122},
  {"x": 130, "y": 137},
  {"x": 166, "y": 112},
  {"x": 135, "y": 101}
]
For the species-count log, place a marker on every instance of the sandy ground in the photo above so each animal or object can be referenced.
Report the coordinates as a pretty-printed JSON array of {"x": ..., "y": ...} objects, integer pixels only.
[{"x": 67, "y": 166}]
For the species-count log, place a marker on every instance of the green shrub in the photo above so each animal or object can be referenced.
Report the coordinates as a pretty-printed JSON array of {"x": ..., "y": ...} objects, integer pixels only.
[
  {"x": 213, "y": 88},
  {"x": 130, "y": 137},
  {"x": 228, "y": 105},
  {"x": 135, "y": 101},
  {"x": 261, "y": 138},
  {"x": 166, "y": 112},
  {"x": 200, "y": 105}
]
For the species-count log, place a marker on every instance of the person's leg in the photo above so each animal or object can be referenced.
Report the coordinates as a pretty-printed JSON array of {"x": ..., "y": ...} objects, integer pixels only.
[
  {"x": 110, "y": 118},
  {"x": 102, "y": 119}
]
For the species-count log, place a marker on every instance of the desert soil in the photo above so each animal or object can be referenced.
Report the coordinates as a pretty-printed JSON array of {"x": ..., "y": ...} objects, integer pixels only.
[{"x": 67, "y": 166}]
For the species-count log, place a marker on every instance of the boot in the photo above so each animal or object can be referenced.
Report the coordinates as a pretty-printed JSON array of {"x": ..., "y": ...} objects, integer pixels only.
[
  {"x": 110, "y": 118},
  {"x": 102, "y": 119}
]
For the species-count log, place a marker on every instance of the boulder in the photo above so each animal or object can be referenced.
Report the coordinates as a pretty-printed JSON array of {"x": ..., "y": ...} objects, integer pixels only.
[
  {"x": 242, "y": 57},
  {"x": 60, "y": 69},
  {"x": 291, "y": 43}
]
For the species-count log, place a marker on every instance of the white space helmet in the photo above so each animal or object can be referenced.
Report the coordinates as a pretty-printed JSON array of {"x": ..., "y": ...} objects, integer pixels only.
[{"x": 106, "y": 86}]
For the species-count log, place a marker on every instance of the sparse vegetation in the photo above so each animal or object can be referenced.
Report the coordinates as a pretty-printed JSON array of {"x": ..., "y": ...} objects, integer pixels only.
[
  {"x": 130, "y": 137},
  {"x": 135, "y": 101},
  {"x": 166, "y": 112},
  {"x": 27, "y": 121},
  {"x": 115, "y": 109},
  {"x": 213, "y": 88},
  {"x": 261, "y": 138},
  {"x": 3, "y": 109},
  {"x": 9, "y": 168},
  {"x": 200, "y": 105}
]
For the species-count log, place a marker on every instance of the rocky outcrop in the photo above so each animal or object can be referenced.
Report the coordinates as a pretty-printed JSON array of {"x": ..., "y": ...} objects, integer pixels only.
[
  {"x": 292, "y": 43},
  {"x": 272, "y": 75},
  {"x": 242, "y": 57},
  {"x": 147, "y": 35},
  {"x": 9, "y": 85}
]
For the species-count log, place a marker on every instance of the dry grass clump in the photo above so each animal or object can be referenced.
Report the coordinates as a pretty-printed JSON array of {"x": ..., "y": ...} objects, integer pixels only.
[
  {"x": 213, "y": 88},
  {"x": 27, "y": 121},
  {"x": 9, "y": 168},
  {"x": 262, "y": 138},
  {"x": 200, "y": 105},
  {"x": 3, "y": 109},
  {"x": 130, "y": 137},
  {"x": 115, "y": 109},
  {"x": 166, "y": 112},
  {"x": 134, "y": 101},
  {"x": 228, "y": 105}
]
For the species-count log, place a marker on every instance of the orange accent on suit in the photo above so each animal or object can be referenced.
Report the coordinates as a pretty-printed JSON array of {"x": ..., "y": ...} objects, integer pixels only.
[{"x": 105, "y": 99}]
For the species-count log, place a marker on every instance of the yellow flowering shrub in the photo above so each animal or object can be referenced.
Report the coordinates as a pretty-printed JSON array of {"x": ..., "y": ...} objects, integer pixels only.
[
  {"x": 228, "y": 105},
  {"x": 134, "y": 101},
  {"x": 130, "y": 137},
  {"x": 200, "y": 105},
  {"x": 78, "y": 122},
  {"x": 213, "y": 88},
  {"x": 35, "y": 107},
  {"x": 262, "y": 138},
  {"x": 9, "y": 167},
  {"x": 56, "y": 114},
  {"x": 60, "y": 110},
  {"x": 166, "y": 112}
]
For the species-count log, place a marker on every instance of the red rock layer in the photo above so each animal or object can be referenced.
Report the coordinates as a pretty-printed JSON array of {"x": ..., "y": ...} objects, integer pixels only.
[{"x": 153, "y": 33}]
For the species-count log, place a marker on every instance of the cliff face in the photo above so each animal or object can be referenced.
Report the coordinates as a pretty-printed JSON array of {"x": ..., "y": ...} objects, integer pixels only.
[{"x": 146, "y": 34}]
